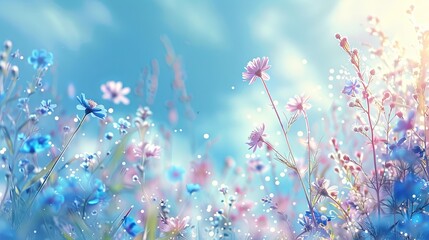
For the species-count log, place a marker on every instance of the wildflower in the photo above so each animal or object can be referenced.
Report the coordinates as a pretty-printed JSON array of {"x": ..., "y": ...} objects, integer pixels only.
[
  {"x": 21, "y": 136},
  {"x": 99, "y": 192},
  {"x": 122, "y": 125},
  {"x": 46, "y": 107},
  {"x": 40, "y": 59},
  {"x": 298, "y": 104},
  {"x": 351, "y": 87},
  {"x": 404, "y": 125},
  {"x": 114, "y": 91},
  {"x": 143, "y": 113},
  {"x": 257, "y": 138},
  {"x": 152, "y": 150},
  {"x": 147, "y": 150},
  {"x": 321, "y": 186},
  {"x": 256, "y": 68},
  {"x": 22, "y": 103},
  {"x": 53, "y": 199},
  {"x": 223, "y": 189},
  {"x": 175, "y": 226},
  {"x": 399, "y": 151},
  {"x": 91, "y": 107},
  {"x": 175, "y": 174},
  {"x": 88, "y": 161},
  {"x": 192, "y": 187},
  {"x": 321, "y": 219},
  {"x": 36, "y": 144},
  {"x": 408, "y": 188},
  {"x": 131, "y": 226}
]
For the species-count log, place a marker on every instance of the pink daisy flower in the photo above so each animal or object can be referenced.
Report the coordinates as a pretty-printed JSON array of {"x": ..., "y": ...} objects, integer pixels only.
[
  {"x": 257, "y": 138},
  {"x": 298, "y": 104},
  {"x": 147, "y": 150},
  {"x": 114, "y": 91},
  {"x": 256, "y": 68},
  {"x": 321, "y": 186},
  {"x": 175, "y": 226}
]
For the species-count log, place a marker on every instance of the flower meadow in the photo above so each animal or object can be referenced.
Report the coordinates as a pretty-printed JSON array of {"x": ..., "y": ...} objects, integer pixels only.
[{"x": 364, "y": 177}]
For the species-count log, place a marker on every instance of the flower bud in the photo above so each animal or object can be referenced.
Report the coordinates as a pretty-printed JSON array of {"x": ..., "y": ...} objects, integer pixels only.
[
  {"x": 15, "y": 72},
  {"x": 400, "y": 115},
  {"x": 7, "y": 45}
]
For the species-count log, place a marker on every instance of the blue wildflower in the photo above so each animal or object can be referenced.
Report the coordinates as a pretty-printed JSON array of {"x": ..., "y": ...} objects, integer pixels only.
[
  {"x": 46, "y": 107},
  {"x": 131, "y": 226},
  {"x": 91, "y": 107},
  {"x": 21, "y": 136},
  {"x": 53, "y": 199},
  {"x": 122, "y": 125},
  {"x": 321, "y": 219},
  {"x": 351, "y": 87},
  {"x": 420, "y": 152},
  {"x": 408, "y": 188},
  {"x": 401, "y": 152},
  {"x": 404, "y": 125},
  {"x": 40, "y": 59},
  {"x": 416, "y": 224},
  {"x": 22, "y": 103},
  {"x": 87, "y": 161},
  {"x": 99, "y": 193},
  {"x": 71, "y": 188},
  {"x": 175, "y": 174},
  {"x": 36, "y": 144},
  {"x": 193, "y": 187}
]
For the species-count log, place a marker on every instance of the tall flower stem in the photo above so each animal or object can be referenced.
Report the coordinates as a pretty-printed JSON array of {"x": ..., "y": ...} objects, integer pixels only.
[
  {"x": 278, "y": 116},
  {"x": 374, "y": 158},
  {"x": 57, "y": 159},
  {"x": 310, "y": 205},
  {"x": 307, "y": 126}
]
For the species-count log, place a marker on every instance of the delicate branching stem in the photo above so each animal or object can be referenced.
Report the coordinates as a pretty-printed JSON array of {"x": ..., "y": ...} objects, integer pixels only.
[
  {"x": 310, "y": 206},
  {"x": 374, "y": 157},
  {"x": 278, "y": 116}
]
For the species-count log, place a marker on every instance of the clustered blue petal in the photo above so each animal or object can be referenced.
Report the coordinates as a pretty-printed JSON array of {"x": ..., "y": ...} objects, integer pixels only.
[
  {"x": 405, "y": 124},
  {"x": 100, "y": 192},
  {"x": 46, "y": 107},
  {"x": 40, "y": 59},
  {"x": 90, "y": 107},
  {"x": 53, "y": 199},
  {"x": 321, "y": 219},
  {"x": 36, "y": 144},
  {"x": 131, "y": 226},
  {"x": 193, "y": 187},
  {"x": 408, "y": 188},
  {"x": 351, "y": 87}
]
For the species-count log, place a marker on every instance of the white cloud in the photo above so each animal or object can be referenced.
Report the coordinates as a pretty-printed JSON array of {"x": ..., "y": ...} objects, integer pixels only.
[
  {"x": 47, "y": 23},
  {"x": 198, "y": 21}
]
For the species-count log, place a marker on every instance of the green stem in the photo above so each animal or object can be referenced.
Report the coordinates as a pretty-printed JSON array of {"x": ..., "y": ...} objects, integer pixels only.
[{"x": 57, "y": 159}]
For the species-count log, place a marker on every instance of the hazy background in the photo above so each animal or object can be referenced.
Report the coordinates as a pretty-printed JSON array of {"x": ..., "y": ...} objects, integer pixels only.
[{"x": 97, "y": 41}]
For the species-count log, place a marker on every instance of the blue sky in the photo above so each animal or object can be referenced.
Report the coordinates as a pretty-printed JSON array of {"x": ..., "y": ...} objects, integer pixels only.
[{"x": 97, "y": 41}]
